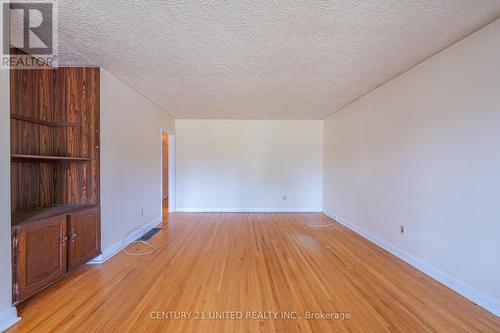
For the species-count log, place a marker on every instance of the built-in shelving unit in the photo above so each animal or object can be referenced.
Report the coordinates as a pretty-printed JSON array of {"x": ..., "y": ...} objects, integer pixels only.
[
  {"x": 55, "y": 189},
  {"x": 54, "y": 137}
]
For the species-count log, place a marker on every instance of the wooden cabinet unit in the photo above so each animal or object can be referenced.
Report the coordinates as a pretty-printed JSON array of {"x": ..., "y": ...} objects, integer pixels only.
[
  {"x": 39, "y": 251},
  {"x": 84, "y": 237},
  {"x": 54, "y": 174}
]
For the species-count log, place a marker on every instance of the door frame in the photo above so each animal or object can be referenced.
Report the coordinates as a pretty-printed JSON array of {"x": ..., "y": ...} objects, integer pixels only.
[{"x": 171, "y": 169}]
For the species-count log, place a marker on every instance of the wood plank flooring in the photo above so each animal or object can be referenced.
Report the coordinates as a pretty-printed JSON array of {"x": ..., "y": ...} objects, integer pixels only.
[{"x": 230, "y": 264}]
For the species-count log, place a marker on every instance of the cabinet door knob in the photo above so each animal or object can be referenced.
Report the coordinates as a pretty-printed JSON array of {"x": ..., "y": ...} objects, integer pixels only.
[
  {"x": 73, "y": 235},
  {"x": 64, "y": 238}
]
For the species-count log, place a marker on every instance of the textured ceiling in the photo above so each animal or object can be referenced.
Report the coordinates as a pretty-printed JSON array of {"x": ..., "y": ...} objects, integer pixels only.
[{"x": 262, "y": 59}]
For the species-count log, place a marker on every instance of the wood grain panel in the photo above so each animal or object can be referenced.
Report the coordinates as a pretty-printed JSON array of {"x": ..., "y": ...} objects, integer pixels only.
[
  {"x": 46, "y": 184},
  {"x": 59, "y": 96},
  {"x": 31, "y": 185},
  {"x": 43, "y": 105},
  {"x": 93, "y": 185},
  {"x": 14, "y": 187},
  {"x": 22, "y": 84},
  {"x": 28, "y": 189},
  {"x": 59, "y": 114},
  {"x": 43, "y": 93}
]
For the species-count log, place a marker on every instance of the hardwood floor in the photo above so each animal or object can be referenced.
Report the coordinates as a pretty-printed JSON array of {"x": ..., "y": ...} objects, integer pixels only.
[{"x": 221, "y": 262}]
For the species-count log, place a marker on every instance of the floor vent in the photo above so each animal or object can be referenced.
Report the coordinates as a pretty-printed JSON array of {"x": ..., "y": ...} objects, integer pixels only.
[{"x": 149, "y": 234}]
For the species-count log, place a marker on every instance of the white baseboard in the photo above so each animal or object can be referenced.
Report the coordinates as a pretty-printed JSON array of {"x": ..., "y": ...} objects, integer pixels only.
[
  {"x": 483, "y": 300},
  {"x": 248, "y": 210},
  {"x": 8, "y": 318},
  {"x": 118, "y": 246}
]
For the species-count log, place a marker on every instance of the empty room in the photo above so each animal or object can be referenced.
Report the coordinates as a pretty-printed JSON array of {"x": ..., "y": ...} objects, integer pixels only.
[{"x": 250, "y": 166}]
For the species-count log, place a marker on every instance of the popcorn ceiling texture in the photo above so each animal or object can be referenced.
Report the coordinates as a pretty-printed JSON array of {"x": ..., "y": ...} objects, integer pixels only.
[{"x": 281, "y": 59}]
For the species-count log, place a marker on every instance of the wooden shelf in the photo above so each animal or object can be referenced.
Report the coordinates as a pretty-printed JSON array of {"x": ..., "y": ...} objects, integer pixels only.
[
  {"x": 33, "y": 215},
  {"x": 44, "y": 122},
  {"x": 22, "y": 157}
]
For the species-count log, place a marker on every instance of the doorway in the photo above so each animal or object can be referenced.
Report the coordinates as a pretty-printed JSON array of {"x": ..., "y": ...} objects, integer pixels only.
[
  {"x": 164, "y": 141},
  {"x": 167, "y": 173}
]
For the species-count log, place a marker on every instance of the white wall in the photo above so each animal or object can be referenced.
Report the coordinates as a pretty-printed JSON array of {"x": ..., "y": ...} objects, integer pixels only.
[
  {"x": 8, "y": 314},
  {"x": 248, "y": 165},
  {"x": 424, "y": 151},
  {"x": 131, "y": 168}
]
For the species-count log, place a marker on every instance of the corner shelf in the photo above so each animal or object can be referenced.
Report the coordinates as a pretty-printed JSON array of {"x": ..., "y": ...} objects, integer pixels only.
[
  {"x": 34, "y": 158},
  {"x": 44, "y": 122}
]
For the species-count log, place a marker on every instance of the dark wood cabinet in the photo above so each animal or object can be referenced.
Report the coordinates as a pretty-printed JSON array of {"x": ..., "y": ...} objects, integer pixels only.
[
  {"x": 54, "y": 174},
  {"x": 39, "y": 255},
  {"x": 84, "y": 237}
]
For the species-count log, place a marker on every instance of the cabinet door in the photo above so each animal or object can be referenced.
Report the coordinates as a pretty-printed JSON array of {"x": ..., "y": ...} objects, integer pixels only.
[
  {"x": 84, "y": 237},
  {"x": 40, "y": 253}
]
